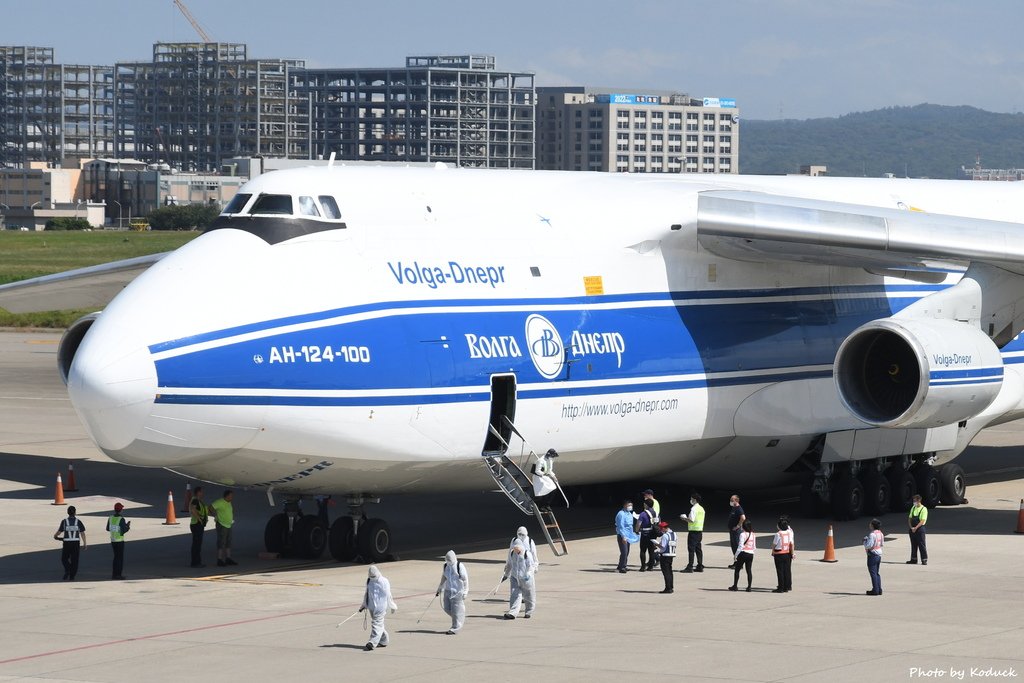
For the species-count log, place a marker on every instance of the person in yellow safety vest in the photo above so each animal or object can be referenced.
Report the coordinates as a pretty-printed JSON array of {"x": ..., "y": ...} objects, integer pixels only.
[
  {"x": 873, "y": 543},
  {"x": 200, "y": 516},
  {"x": 224, "y": 519},
  {"x": 694, "y": 535},
  {"x": 655, "y": 505},
  {"x": 916, "y": 520},
  {"x": 118, "y": 526}
]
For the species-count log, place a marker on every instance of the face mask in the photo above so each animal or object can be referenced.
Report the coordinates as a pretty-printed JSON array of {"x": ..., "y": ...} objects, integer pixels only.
[
  {"x": 629, "y": 508},
  {"x": 733, "y": 504},
  {"x": 693, "y": 502}
]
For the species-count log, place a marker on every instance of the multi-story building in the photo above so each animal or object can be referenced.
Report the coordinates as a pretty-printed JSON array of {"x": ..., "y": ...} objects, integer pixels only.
[
  {"x": 590, "y": 129},
  {"x": 456, "y": 109},
  {"x": 50, "y": 111},
  {"x": 196, "y": 103}
]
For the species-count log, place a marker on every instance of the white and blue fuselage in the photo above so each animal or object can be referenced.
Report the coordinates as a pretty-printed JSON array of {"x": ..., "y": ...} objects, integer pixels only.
[{"x": 356, "y": 354}]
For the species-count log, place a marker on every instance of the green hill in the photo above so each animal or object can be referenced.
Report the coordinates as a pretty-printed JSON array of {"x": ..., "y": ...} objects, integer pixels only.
[{"x": 927, "y": 140}]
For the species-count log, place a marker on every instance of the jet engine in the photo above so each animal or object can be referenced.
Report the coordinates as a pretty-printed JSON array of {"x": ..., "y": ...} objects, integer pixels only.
[
  {"x": 70, "y": 342},
  {"x": 917, "y": 372}
]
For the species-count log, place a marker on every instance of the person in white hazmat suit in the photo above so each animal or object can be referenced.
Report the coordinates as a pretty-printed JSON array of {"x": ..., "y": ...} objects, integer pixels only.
[
  {"x": 453, "y": 589},
  {"x": 519, "y": 569},
  {"x": 378, "y": 601},
  {"x": 523, "y": 535}
]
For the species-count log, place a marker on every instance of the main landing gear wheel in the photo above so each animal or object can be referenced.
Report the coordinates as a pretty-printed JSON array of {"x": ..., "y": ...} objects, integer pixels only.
[
  {"x": 928, "y": 485},
  {"x": 903, "y": 487},
  {"x": 342, "y": 540},
  {"x": 374, "y": 540},
  {"x": 954, "y": 484},
  {"x": 275, "y": 534},
  {"x": 811, "y": 504},
  {"x": 847, "y": 498},
  {"x": 309, "y": 537},
  {"x": 877, "y": 494}
]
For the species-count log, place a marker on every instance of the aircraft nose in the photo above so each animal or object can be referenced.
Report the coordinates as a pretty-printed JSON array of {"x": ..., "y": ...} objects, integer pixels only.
[{"x": 112, "y": 384}]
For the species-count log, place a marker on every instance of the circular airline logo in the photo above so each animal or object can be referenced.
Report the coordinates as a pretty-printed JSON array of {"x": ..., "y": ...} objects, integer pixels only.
[{"x": 545, "y": 346}]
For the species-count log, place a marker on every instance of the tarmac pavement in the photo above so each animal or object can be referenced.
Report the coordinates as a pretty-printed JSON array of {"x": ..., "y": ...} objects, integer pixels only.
[{"x": 276, "y": 619}]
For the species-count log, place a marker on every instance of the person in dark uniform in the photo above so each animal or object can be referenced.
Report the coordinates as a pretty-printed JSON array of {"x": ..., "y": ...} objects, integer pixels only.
[
  {"x": 735, "y": 524},
  {"x": 72, "y": 532},
  {"x": 646, "y": 526},
  {"x": 668, "y": 543},
  {"x": 200, "y": 515},
  {"x": 118, "y": 526}
]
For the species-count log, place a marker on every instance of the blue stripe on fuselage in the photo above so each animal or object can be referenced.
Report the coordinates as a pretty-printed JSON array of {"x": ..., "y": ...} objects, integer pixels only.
[{"x": 431, "y": 348}]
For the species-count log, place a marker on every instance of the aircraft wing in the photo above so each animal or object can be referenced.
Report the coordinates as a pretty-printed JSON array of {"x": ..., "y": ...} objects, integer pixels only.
[
  {"x": 756, "y": 226},
  {"x": 91, "y": 287}
]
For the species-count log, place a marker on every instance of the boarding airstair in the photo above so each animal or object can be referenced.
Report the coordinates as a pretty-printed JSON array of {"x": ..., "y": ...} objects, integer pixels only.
[{"x": 516, "y": 484}]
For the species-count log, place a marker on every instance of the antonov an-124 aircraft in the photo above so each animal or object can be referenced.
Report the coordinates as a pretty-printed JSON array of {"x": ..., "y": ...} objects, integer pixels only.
[{"x": 361, "y": 331}]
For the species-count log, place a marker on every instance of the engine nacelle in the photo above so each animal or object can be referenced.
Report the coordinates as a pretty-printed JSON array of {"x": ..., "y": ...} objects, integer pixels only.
[
  {"x": 70, "y": 342},
  {"x": 898, "y": 372}
]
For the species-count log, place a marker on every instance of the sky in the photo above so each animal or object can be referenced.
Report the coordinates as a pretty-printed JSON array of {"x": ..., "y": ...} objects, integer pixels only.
[{"x": 792, "y": 59}]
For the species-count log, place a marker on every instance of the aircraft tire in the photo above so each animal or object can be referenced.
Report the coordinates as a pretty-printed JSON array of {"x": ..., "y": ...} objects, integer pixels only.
[
  {"x": 309, "y": 537},
  {"x": 928, "y": 485},
  {"x": 847, "y": 498},
  {"x": 877, "y": 494},
  {"x": 275, "y": 534},
  {"x": 902, "y": 489},
  {"x": 811, "y": 504},
  {"x": 954, "y": 484},
  {"x": 374, "y": 541},
  {"x": 342, "y": 540}
]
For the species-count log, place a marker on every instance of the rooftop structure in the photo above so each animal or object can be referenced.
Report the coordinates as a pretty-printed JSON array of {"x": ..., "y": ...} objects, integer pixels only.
[
  {"x": 51, "y": 111},
  {"x": 453, "y": 108},
  {"x": 605, "y": 129},
  {"x": 196, "y": 103}
]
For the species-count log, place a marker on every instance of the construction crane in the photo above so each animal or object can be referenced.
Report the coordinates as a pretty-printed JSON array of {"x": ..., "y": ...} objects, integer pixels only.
[{"x": 203, "y": 35}]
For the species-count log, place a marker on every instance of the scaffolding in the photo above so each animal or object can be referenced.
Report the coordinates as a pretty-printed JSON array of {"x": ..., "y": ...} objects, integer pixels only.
[
  {"x": 457, "y": 109},
  {"x": 51, "y": 111},
  {"x": 196, "y": 103}
]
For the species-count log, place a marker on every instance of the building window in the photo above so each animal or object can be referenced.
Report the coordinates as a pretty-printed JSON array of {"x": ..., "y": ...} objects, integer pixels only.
[{"x": 692, "y": 116}]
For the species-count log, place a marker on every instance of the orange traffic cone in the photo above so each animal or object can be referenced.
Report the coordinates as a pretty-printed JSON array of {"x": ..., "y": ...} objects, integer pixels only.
[
  {"x": 188, "y": 498},
  {"x": 72, "y": 486},
  {"x": 830, "y": 548},
  {"x": 58, "y": 496},
  {"x": 1020, "y": 515},
  {"x": 171, "y": 519}
]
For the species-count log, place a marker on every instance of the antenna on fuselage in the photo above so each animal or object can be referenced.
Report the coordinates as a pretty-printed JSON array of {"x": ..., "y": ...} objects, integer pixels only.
[{"x": 330, "y": 162}]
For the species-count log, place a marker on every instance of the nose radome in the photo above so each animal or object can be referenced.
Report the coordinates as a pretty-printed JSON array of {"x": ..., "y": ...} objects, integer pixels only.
[{"x": 112, "y": 385}]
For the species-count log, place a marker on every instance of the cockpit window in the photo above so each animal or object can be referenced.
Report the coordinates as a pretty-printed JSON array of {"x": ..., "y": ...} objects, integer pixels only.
[
  {"x": 272, "y": 204},
  {"x": 331, "y": 209},
  {"x": 307, "y": 207},
  {"x": 237, "y": 203}
]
